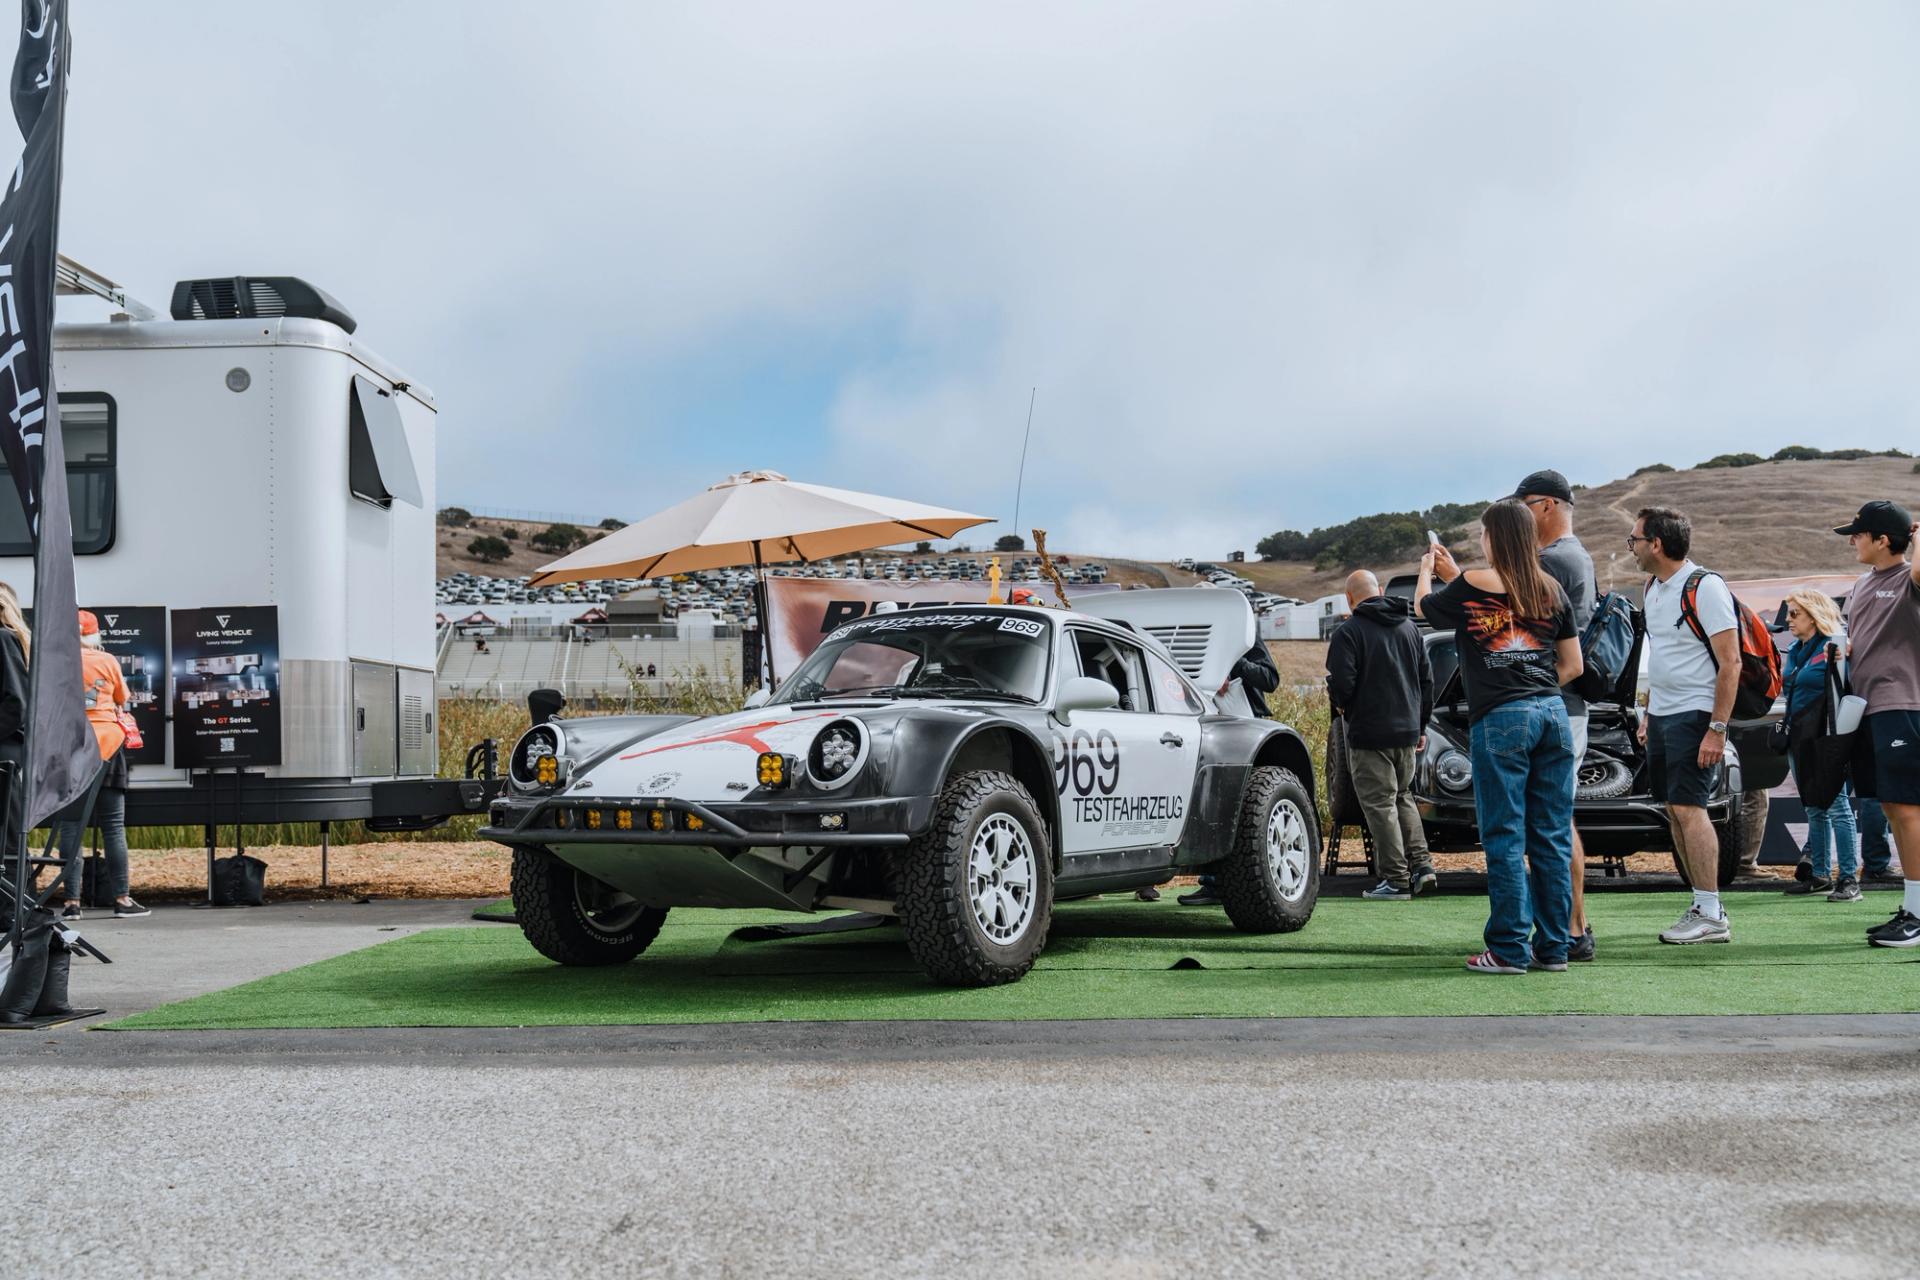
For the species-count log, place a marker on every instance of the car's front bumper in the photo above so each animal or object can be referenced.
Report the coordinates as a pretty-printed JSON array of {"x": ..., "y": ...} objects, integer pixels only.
[{"x": 545, "y": 820}]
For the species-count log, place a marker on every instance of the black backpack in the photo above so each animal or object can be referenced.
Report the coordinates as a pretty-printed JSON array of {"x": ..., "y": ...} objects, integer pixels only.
[{"x": 1607, "y": 646}]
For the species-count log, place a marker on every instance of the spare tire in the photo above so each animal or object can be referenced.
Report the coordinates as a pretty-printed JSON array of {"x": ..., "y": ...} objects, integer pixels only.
[
  {"x": 1343, "y": 803},
  {"x": 1601, "y": 777}
]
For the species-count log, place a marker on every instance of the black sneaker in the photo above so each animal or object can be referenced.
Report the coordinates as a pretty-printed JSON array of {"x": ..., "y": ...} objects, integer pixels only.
[
  {"x": 1582, "y": 948},
  {"x": 1904, "y": 931},
  {"x": 1803, "y": 870},
  {"x": 1882, "y": 875},
  {"x": 72, "y": 912},
  {"x": 1813, "y": 884},
  {"x": 1846, "y": 890},
  {"x": 129, "y": 910},
  {"x": 1424, "y": 881},
  {"x": 1900, "y": 920},
  {"x": 1148, "y": 894},
  {"x": 1199, "y": 898}
]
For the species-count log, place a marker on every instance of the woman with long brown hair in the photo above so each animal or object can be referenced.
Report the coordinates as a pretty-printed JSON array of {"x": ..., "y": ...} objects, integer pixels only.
[{"x": 1513, "y": 628}]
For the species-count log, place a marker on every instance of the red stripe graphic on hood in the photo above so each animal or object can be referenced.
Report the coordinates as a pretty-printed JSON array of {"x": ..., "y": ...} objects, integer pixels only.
[{"x": 746, "y": 735}]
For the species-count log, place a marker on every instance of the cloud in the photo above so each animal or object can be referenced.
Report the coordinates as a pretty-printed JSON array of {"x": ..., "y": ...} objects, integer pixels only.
[{"x": 1267, "y": 265}]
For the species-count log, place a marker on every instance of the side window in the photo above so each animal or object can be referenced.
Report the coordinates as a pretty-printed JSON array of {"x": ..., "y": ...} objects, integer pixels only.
[
  {"x": 1121, "y": 665},
  {"x": 88, "y": 429},
  {"x": 1171, "y": 693}
]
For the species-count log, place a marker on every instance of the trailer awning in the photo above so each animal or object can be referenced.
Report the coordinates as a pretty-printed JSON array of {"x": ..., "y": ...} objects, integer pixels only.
[{"x": 379, "y": 463}]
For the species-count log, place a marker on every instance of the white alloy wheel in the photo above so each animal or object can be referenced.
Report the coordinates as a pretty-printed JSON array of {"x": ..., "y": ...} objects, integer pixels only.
[
  {"x": 1000, "y": 878},
  {"x": 1289, "y": 850}
]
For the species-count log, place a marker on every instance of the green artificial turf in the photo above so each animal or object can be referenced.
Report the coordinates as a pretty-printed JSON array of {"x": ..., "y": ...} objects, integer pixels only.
[{"x": 1105, "y": 959}]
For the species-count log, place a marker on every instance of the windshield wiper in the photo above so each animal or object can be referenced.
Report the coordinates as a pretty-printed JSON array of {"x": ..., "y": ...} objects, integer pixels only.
[{"x": 963, "y": 691}]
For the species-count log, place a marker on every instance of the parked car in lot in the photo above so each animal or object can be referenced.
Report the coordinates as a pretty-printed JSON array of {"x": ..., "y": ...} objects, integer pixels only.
[
  {"x": 960, "y": 768},
  {"x": 1613, "y": 807}
]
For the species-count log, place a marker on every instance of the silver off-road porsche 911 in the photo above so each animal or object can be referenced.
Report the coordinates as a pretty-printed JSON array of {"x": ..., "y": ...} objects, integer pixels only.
[{"x": 961, "y": 768}]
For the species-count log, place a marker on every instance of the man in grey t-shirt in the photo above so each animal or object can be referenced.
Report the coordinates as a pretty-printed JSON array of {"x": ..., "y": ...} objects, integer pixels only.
[{"x": 1548, "y": 495}]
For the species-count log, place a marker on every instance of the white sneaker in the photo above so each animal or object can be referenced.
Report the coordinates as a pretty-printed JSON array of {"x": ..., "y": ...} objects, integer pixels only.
[{"x": 1694, "y": 927}]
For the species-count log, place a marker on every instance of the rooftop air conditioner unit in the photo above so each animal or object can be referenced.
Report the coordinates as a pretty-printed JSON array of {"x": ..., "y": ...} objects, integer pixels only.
[{"x": 256, "y": 297}]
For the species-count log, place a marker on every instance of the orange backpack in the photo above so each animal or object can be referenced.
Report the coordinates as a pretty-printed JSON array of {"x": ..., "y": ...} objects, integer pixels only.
[{"x": 1760, "y": 672}]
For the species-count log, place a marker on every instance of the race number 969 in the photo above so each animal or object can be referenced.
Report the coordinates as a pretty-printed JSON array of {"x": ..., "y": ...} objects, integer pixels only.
[{"x": 1087, "y": 764}]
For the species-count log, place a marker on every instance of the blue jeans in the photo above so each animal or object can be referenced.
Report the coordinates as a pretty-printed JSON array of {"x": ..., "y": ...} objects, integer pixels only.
[
  {"x": 1523, "y": 797},
  {"x": 1876, "y": 845},
  {"x": 1827, "y": 828}
]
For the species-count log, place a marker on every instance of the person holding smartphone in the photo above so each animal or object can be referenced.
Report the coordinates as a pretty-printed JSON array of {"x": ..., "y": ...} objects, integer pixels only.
[{"x": 1513, "y": 629}]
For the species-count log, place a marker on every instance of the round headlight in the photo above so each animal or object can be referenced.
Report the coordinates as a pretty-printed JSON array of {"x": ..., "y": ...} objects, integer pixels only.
[
  {"x": 538, "y": 759},
  {"x": 837, "y": 753},
  {"x": 1454, "y": 771}
]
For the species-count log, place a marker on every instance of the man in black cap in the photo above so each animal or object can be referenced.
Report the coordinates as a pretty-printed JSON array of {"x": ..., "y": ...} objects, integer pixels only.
[
  {"x": 1883, "y": 633},
  {"x": 1548, "y": 495}
]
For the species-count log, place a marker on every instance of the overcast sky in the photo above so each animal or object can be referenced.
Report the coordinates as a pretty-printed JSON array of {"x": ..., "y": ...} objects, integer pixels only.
[{"x": 1268, "y": 266}]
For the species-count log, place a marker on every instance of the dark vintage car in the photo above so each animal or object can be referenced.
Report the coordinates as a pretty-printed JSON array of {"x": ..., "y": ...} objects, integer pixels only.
[{"x": 1613, "y": 808}]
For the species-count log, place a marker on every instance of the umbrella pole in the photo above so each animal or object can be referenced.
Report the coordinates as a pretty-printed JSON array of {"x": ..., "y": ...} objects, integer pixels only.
[{"x": 766, "y": 619}]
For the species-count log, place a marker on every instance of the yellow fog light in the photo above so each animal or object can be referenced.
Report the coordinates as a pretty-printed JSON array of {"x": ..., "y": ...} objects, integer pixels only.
[
  {"x": 593, "y": 819},
  {"x": 657, "y": 819},
  {"x": 562, "y": 819},
  {"x": 547, "y": 770},
  {"x": 773, "y": 769},
  {"x": 696, "y": 823},
  {"x": 623, "y": 819}
]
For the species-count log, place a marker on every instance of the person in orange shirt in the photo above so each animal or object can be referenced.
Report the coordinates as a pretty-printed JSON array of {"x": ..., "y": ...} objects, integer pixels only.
[{"x": 105, "y": 693}]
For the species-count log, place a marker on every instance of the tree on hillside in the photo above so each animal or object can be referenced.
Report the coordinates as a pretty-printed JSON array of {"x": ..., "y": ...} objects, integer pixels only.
[
  {"x": 490, "y": 549},
  {"x": 612, "y": 525},
  {"x": 1797, "y": 453},
  {"x": 1009, "y": 542},
  {"x": 510, "y": 533},
  {"x": 455, "y": 517},
  {"x": 1652, "y": 469},
  {"x": 1732, "y": 460},
  {"x": 557, "y": 538},
  {"x": 923, "y": 548}
]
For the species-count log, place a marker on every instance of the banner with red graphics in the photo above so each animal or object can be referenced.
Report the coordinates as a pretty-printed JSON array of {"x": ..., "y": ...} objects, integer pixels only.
[{"x": 802, "y": 611}]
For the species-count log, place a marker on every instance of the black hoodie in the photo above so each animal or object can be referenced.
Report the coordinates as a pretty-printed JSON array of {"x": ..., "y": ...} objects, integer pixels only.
[{"x": 1378, "y": 676}]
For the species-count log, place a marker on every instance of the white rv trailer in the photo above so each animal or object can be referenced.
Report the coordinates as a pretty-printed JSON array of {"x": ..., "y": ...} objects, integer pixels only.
[{"x": 264, "y": 457}]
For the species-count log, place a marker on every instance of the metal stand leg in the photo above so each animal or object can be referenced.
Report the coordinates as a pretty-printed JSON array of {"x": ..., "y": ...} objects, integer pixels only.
[
  {"x": 326, "y": 831},
  {"x": 210, "y": 839}
]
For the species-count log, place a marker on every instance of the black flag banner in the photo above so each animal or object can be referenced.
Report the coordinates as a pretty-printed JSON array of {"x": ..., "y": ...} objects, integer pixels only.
[{"x": 61, "y": 757}]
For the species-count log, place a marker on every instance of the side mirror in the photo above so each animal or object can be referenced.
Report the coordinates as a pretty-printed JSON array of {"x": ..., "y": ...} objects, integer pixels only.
[
  {"x": 1084, "y": 693},
  {"x": 544, "y": 704},
  {"x": 758, "y": 698}
]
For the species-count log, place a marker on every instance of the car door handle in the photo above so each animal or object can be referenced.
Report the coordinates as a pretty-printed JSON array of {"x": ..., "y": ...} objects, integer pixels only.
[{"x": 1172, "y": 739}]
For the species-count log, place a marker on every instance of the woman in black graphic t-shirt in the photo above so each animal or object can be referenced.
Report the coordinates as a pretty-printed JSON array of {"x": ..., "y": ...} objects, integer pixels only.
[{"x": 1513, "y": 628}]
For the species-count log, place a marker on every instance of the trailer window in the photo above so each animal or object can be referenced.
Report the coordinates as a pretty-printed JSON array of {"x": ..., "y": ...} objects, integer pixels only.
[
  {"x": 88, "y": 421},
  {"x": 379, "y": 463}
]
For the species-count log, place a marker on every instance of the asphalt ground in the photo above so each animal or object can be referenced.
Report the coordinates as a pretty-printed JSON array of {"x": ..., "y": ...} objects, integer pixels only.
[{"x": 1752, "y": 1146}]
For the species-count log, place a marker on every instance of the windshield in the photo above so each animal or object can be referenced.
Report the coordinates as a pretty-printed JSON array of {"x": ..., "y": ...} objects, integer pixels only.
[{"x": 928, "y": 653}]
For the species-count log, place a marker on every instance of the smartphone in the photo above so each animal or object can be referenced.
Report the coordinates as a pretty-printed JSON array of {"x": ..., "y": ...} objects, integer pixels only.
[{"x": 1433, "y": 539}]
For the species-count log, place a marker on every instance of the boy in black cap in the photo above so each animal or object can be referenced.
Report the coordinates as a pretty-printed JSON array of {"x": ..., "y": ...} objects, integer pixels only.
[{"x": 1883, "y": 629}]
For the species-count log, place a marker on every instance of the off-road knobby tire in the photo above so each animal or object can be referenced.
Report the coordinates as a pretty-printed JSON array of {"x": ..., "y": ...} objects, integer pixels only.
[
  {"x": 935, "y": 912},
  {"x": 1245, "y": 879},
  {"x": 1343, "y": 802},
  {"x": 551, "y": 918},
  {"x": 1614, "y": 778}
]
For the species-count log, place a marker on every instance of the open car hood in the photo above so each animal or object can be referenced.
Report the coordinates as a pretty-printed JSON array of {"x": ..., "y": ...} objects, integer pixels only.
[{"x": 1204, "y": 630}]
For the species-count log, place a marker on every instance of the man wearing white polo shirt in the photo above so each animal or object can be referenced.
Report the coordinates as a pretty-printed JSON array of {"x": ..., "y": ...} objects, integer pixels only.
[{"x": 1693, "y": 674}]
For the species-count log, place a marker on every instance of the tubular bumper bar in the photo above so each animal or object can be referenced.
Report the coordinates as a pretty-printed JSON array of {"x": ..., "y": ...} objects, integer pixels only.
[{"x": 721, "y": 831}]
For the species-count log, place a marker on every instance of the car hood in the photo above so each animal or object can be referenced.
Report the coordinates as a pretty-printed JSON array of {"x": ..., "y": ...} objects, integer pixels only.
[{"x": 714, "y": 758}]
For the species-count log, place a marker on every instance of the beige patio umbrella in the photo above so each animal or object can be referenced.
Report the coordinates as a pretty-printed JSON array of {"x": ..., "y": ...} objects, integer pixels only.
[{"x": 757, "y": 518}]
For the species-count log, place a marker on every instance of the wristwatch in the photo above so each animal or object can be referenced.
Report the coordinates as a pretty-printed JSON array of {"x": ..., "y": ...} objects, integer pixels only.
[{"x": 1719, "y": 727}]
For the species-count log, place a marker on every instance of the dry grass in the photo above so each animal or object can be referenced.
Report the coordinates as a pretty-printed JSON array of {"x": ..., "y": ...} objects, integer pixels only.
[{"x": 414, "y": 869}]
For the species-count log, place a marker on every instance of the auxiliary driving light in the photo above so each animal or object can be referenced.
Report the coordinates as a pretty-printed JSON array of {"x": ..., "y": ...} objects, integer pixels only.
[
  {"x": 593, "y": 819},
  {"x": 657, "y": 819},
  {"x": 694, "y": 822},
  {"x": 623, "y": 819},
  {"x": 562, "y": 819},
  {"x": 773, "y": 769},
  {"x": 546, "y": 770}
]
